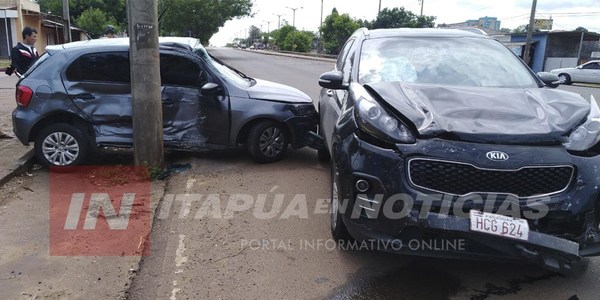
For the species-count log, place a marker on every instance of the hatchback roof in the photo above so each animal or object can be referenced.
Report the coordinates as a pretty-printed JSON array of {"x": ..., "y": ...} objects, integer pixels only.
[{"x": 118, "y": 42}]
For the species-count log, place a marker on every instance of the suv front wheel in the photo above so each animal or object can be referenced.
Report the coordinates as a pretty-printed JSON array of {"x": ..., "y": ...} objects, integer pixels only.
[{"x": 61, "y": 145}]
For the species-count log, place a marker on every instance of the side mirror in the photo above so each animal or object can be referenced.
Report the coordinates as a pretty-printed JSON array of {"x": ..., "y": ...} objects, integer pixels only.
[
  {"x": 211, "y": 89},
  {"x": 551, "y": 80},
  {"x": 332, "y": 80}
]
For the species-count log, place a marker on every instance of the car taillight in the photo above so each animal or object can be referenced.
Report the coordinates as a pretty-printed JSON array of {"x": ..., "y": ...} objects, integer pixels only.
[{"x": 24, "y": 95}]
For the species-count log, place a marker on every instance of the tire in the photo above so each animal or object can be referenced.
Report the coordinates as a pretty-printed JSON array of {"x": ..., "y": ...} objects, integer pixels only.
[
  {"x": 267, "y": 142},
  {"x": 61, "y": 145},
  {"x": 339, "y": 231},
  {"x": 323, "y": 154},
  {"x": 565, "y": 79}
]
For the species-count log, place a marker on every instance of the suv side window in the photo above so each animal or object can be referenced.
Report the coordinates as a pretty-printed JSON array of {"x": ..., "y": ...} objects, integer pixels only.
[
  {"x": 102, "y": 67},
  {"x": 178, "y": 70}
]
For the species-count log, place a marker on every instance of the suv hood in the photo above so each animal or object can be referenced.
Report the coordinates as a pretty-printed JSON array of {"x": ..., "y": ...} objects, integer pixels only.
[
  {"x": 271, "y": 91},
  {"x": 492, "y": 115}
]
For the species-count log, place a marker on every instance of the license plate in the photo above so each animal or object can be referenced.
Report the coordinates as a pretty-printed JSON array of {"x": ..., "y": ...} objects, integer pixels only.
[{"x": 499, "y": 225}]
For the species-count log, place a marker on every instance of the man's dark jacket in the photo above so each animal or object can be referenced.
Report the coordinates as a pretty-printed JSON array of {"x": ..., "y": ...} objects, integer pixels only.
[{"x": 22, "y": 57}]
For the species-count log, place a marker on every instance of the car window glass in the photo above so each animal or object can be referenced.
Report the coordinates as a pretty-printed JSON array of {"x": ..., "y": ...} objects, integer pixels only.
[
  {"x": 178, "y": 70},
  {"x": 342, "y": 56},
  {"x": 592, "y": 66},
  {"x": 461, "y": 61},
  {"x": 102, "y": 67}
]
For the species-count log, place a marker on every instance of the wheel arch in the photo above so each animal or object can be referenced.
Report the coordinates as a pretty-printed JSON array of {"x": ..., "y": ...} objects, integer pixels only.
[{"x": 62, "y": 117}]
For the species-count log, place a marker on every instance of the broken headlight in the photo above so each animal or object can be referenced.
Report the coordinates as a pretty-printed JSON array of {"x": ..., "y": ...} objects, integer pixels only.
[
  {"x": 586, "y": 135},
  {"x": 375, "y": 120}
]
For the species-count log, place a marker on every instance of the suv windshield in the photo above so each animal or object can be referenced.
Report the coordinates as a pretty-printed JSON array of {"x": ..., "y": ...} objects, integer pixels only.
[{"x": 460, "y": 61}]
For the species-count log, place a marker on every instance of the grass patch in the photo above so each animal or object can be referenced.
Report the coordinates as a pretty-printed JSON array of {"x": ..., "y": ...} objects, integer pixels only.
[{"x": 4, "y": 62}]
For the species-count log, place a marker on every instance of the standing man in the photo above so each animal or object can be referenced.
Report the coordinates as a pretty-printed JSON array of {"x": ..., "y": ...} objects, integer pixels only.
[{"x": 24, "y": 53}]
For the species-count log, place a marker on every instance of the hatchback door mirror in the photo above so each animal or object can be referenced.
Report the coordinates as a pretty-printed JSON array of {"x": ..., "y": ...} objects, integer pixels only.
[
  {"x": 549, "y": 79},
  {"x": 332, "y": 80},
  {"x": 211, "y": 89}
]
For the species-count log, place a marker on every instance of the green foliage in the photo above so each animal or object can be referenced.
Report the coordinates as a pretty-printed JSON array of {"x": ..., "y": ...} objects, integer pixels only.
[
  {"x": 521, "y": 29},
  {"x": 399, "y": 18},
  {"x": 299, "y": 41},
  {"x": 114, "y": 10},
  {"x": 281, "y": 34},
  {"x": 94, "y": 21},
  {"x": 336, "y": 30},
  {"x": 253, "y": 35},
  {"x": 201, "y": 18}
]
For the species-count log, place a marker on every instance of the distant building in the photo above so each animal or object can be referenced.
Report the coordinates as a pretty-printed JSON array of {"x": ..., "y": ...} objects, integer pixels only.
[{"x": 485, "y": 22}]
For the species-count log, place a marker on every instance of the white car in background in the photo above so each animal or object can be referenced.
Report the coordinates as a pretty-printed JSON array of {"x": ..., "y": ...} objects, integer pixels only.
[{"x": 588, "y": 72}]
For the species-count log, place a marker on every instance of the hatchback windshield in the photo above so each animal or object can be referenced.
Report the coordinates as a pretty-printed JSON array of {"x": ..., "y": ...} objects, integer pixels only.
[{"x": 445, "y": 61}]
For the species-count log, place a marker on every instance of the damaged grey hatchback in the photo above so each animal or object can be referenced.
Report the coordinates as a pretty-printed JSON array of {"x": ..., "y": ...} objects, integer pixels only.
[
  {"x": 77, "y": 98},
  {"x": 444, "y": 143}
]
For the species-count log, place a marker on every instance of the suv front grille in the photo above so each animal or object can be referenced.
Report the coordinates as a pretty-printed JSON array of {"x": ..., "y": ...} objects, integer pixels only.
[{"x": 461, "y": 178}]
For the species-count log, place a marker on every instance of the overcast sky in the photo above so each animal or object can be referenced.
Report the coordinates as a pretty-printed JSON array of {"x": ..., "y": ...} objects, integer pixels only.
[{"x": 512, "y": 13}]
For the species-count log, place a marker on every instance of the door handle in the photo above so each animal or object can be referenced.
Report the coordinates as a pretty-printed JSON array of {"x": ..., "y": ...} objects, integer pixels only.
[
  {"x": 85, "y": 96},
  {"x": 330, "y": 93}
]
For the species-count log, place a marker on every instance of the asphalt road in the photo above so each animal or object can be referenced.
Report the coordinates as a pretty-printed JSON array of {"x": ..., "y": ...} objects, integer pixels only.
[{"x": 203, "y": 249}]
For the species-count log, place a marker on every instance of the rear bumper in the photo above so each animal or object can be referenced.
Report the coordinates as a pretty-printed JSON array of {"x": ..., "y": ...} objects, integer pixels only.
[{"x": 23, "y": 121}]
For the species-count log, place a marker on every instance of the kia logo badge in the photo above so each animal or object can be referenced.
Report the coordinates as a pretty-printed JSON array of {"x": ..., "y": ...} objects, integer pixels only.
[{"x": 497, "y": 156}]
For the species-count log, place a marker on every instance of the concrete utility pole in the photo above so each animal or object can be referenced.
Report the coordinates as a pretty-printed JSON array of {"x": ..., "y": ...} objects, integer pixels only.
[
  {"x": 422, "y": 3},
  {"x": 67, "y": 23},
  {"x": 145, "y": 83},
  {"x": 529, "y": 33}
]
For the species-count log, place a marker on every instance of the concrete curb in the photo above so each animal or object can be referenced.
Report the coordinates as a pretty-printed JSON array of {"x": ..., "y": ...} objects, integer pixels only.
[{"x": 19, "y": 167}]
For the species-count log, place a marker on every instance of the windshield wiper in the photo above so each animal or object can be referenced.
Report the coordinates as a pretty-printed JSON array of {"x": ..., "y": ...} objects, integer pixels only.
[{"x": 232, "y": 68}]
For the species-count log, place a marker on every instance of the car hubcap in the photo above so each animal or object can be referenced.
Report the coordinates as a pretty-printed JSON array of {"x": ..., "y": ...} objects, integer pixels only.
[
  {"x": 60, "y": 148},
  {"x": 335, "y": 205},
  {"x": 271, "y": 142},
  {"x": 562, "y": 78}
]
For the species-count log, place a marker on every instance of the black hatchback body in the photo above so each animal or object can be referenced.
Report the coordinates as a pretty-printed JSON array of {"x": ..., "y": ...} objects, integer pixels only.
[
  {"x": 444, "y": 143},
  {"x": 77, "y": 97}
]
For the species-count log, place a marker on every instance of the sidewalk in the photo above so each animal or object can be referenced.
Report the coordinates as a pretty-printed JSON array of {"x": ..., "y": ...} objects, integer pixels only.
[{"x": 14, "y": 157}]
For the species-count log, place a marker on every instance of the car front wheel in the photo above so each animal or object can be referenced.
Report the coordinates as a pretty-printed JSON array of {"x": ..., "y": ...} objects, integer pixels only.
[
  {"x": 564, "y": 79},
  {"x": 267, "y": 142},
  {"x": 61, "y": 145}
]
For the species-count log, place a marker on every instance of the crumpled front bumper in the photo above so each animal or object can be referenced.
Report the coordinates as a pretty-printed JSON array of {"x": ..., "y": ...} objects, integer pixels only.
[{"x": 554, "y": 253}]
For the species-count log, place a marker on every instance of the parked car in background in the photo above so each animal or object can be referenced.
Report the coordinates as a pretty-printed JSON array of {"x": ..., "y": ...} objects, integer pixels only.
[
  {"x": 77, "y": 98},
  {"x": 444, "y": 135},
  {"x": 586, "y": 73}
]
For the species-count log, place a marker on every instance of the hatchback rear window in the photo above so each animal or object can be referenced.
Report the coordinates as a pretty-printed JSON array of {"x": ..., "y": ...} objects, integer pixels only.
[{"x": 100, "y": 67}]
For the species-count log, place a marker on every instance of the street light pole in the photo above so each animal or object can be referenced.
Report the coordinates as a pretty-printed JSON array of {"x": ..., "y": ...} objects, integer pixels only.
[
  {"x": 294, "y": 14},
  {"x": 422, "y": 6},
  {"x": 379, "y": 8},
  {"x": 278, "y": 21}
]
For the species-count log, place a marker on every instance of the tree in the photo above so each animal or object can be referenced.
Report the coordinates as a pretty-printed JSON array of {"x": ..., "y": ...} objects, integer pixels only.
[
  {"x": 302, "y": 41},
  {"x": 253, "y": 34},
  {"x": 199, "y": 18},
  {"x": 113, "y": 10},
  {"x": 336, "y": 30},
  {"x": 521, "y": 29},
  {"x": 281, "y": 34},
  {"x": 399, "y": 17},
  {"x": 581, "y": 29},
  {"x": 505, "y": 30},
  {"x": 94, "y": 21}
]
